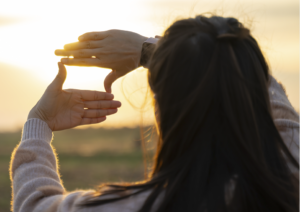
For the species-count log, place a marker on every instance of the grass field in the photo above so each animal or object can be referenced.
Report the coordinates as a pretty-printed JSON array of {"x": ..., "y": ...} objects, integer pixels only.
[{"x": 87, "y": 158}]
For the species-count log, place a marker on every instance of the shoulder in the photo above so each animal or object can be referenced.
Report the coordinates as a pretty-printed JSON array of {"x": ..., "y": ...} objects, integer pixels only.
[
  {"x": 132, "y": 203},
  {"x": 289, "y": 131},
  {"x": 280, "y": 104},
  {"x": 285, "y": 117}
]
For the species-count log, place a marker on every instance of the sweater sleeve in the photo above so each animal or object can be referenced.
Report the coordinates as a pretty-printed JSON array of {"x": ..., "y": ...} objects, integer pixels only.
[
  {"x": 34, "y": 173},
  {"x": 36, "y": 182},
  {"x": 285, "y": 117}
]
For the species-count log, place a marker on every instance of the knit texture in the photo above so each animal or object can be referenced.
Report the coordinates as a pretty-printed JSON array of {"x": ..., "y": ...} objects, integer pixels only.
[
  {"x": 36, "y": 184},
  {"x": 36, "y": 129}
]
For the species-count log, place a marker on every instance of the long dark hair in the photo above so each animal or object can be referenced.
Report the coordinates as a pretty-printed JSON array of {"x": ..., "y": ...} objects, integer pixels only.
[{"x": 218, "y": 147}]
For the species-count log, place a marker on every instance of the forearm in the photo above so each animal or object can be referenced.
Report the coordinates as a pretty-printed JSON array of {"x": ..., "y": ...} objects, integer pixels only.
[{"x": 34, "y": 172}]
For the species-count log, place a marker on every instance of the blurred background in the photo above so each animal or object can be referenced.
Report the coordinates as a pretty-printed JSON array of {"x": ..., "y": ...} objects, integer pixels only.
[{"x": 30, "y": 31}]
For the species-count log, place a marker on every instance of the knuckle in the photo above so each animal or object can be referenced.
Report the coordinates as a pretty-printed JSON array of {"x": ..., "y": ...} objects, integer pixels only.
[
  {"x": 98, "y": 113},
  {"x": 69, "y": 90},
  {"x": 100, "y": 96},
  {"x": 85, "y": 104},
  {"x": 88, "y": 44},
  {"x": 92, "y": 44},
  {"x": 111, "y": 31},
  {"x": 81, "y": 53},
  {"x": 82, "y": 62},
  {"x": 99, "y": 104}
]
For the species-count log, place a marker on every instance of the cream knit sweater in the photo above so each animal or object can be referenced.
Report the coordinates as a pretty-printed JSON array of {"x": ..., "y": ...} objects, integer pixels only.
[{"x": 36, "y": 181}]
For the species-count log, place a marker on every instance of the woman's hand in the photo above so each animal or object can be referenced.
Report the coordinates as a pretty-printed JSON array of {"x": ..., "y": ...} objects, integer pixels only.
[
  {"x": 64, "y": 109},
  {"x": 114, "y": 49}
]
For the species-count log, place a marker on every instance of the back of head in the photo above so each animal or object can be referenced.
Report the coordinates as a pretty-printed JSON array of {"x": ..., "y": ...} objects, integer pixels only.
[{"x": 219, "y": 149}]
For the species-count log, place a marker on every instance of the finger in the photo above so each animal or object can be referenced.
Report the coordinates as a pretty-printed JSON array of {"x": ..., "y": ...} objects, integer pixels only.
[
  {"x": 81, "y": 61},
  {"x": 109, "y": 79},
  {"x": 60, "y": 78},
  {"x": 92, "y": 120},
  {"x": 95, "y": 113},
  {"x": 93, "y": 36},
  {"x": 83, "y": 53},
  {"x": 88, "y": 95},
  {"x": 101, "y": 104},
  {"x": 84, "y": 45}
]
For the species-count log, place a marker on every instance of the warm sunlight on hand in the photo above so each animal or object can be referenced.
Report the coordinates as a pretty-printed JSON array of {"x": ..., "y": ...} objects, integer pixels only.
[
  {"x": 114, "y": 49},
  {"x": 64, "y": 109}
]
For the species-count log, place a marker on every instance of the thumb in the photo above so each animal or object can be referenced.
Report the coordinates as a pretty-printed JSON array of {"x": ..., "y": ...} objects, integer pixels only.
[
  {"x": 60, "y": 77},
  {"x": 109, "y": 79}
]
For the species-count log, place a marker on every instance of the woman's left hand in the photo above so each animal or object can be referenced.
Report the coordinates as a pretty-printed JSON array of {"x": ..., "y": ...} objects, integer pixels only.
[
  {"x": 64, "y": 109},
  {"x": 118, "y": 50}
]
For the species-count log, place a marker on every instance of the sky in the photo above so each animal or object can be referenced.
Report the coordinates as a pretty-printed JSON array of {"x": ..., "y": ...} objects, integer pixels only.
[{"x": 31, "y": 30}]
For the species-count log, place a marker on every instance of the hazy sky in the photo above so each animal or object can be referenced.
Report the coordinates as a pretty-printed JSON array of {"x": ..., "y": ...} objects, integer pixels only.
[{"x": 30, "y": 31}]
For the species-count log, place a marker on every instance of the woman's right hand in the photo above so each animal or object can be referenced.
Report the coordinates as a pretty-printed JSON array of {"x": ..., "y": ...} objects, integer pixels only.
[
  {"x": 114, "y": 49},
  {"x": 65, "y": 109}
]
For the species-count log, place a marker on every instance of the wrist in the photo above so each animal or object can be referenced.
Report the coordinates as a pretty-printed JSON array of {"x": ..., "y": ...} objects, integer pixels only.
[
  {"x": 147, "y": 50},
  {"x": 143, "y": 40},
  {"x": 36, "y": 129},
  {"x": 33, "y": 114}
]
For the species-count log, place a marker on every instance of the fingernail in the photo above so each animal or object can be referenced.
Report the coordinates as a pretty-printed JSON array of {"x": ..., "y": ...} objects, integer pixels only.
[
  {"x": 64, "y": 60},
  {"x": 107, "y": 88},
  {"x": 102, "y": 118},
  {"x": 114, "y": 110},
  {"x": 109, "y": 96}
]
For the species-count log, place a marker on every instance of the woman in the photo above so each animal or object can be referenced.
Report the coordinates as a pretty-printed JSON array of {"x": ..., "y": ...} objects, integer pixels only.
[{"x": 228, "y": 136}]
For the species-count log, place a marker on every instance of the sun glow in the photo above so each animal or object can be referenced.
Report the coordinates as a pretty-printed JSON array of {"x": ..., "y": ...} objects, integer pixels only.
[
  {"x": 31, "y": 44},
  {"x": 33, "y": 47},
  {"x": 28, "y": 63}
]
